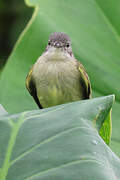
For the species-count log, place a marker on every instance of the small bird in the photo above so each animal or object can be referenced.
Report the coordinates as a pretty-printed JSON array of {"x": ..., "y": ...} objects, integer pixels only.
[{"x": 57, "y": 77}]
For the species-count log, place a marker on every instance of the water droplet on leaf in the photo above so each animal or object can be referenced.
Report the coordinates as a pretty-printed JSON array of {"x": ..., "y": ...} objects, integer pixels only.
[{"x": 94, "y": 142}]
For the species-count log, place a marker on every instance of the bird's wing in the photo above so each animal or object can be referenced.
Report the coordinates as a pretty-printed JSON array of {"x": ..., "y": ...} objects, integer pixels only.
[
  {"x": 30, "y": 85},
  {"x": 85, "y": 81}
]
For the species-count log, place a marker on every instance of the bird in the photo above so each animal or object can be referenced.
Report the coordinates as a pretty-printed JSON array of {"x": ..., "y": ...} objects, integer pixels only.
[{"x": 57, "y": 77}]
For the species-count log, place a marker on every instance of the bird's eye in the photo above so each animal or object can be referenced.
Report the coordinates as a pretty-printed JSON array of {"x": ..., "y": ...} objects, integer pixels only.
[
  {"x": 49, "y": 43},
  {"x": 68, "y": 45}
]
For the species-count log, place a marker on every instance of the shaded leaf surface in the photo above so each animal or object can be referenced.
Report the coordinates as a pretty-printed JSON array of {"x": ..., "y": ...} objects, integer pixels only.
[{"x": 58, "y": 143}]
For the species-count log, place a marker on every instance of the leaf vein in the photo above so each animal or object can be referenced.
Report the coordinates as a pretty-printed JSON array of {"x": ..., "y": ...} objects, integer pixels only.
[
  {"x": 44, "y": 142},
  {"x": 64, "y": 165}
]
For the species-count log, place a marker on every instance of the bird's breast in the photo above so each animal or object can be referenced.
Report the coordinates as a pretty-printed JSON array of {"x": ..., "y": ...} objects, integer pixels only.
[{"x": 57, "y": 81}]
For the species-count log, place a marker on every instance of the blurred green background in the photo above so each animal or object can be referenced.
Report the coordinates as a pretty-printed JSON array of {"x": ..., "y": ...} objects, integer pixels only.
[{"x": 14, "y": 16}]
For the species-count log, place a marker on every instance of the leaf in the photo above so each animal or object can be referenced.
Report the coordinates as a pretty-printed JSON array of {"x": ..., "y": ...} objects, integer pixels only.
[
  {"x": 94, "y": 30},
  {"x": 57, "y": 143},
  {"x": 106, "y": 129},
  {"x": 2, "y": 111}
]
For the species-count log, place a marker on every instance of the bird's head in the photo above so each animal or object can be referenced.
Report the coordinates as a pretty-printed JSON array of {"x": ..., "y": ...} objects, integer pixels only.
[{"x": 60, "y": 41}]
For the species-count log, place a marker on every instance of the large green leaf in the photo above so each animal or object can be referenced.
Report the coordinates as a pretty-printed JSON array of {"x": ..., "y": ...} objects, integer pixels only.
[
  {"x": 94, "y": 30},
  {"x": 57, "y": 143}
]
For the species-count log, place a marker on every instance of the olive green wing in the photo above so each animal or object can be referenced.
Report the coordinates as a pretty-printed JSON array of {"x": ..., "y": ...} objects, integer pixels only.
[
  {"x": 30, "y": 85},
  {"x": 85, "y": 81}
]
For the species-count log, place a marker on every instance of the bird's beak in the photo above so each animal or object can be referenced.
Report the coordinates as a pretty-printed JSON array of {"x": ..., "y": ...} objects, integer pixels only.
[{"x": 57, "y": 45}]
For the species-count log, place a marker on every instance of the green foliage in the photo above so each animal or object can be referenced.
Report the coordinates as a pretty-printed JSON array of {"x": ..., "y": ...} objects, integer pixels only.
[
  {"x": 57, "y": 143},
  {"x": 106, "y": 129},
  {"x": 94, "y": 30},
  {"x": 2, "y": 111},
  {"x": 14, "y": 16}
]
